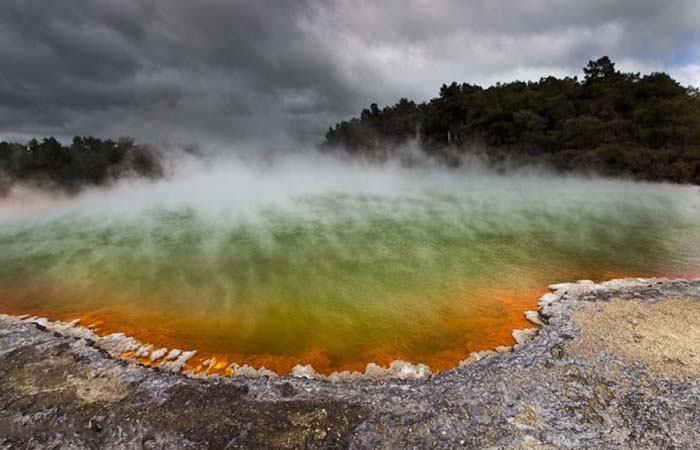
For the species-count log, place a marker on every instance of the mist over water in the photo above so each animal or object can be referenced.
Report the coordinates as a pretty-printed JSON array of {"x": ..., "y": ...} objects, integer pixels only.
[{"x": 312, "y": 259}]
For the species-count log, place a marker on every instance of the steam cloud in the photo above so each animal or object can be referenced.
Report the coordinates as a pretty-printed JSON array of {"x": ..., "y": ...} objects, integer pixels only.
[{"x": 280, "y": 256}]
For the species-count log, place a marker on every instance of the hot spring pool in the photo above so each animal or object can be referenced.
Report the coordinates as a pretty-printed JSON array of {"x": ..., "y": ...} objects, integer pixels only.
[{"x": 336, "y": 266}]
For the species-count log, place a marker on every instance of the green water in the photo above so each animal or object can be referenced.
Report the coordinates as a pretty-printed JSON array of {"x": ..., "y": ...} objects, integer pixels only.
[{"x": 406, "y": 268}]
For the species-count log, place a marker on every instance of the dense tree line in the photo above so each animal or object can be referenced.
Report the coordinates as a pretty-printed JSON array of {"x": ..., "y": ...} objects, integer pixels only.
[
  {"x": 614, "y": 123},
  {"x": 86, "y": 161}
]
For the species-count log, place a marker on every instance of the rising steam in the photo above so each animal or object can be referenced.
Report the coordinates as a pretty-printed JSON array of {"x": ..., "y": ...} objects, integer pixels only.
[{"x": 313, "y": 257}]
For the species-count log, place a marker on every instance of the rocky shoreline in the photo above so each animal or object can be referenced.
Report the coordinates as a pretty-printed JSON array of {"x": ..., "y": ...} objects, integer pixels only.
[{"x": 614, "y": 365}]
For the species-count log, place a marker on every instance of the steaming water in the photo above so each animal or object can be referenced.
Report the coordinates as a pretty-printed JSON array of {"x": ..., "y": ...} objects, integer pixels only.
[{"x": 331, "y": 263}]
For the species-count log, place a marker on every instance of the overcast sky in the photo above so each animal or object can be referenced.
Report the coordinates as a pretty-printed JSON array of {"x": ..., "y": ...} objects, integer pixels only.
[{"x": 227, "y": 72}]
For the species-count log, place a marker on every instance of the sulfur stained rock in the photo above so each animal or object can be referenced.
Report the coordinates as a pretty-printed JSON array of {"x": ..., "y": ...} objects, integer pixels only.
[
  {"x": 158, "y": 354},
  {"x": 304, "y": 371},
  {"x": 523, "y": 336}
]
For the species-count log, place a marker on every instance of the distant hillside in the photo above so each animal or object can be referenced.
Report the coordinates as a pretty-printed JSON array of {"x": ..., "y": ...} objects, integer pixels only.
[
  {"x": 614, "y": 123},
  {"x": 86, "y": 162}
]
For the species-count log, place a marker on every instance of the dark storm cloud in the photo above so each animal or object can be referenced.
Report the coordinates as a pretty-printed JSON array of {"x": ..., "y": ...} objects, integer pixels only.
[{"x": 221, "y": 71}]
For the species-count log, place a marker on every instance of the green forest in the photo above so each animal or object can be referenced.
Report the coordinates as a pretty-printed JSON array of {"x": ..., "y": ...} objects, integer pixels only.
[
  {"x": 611, "y": 123},
  {"x": 87, "y": 161}
]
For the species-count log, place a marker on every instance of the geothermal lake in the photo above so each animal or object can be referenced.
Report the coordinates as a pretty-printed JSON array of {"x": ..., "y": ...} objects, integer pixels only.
[{"x": 333, "y": 264}]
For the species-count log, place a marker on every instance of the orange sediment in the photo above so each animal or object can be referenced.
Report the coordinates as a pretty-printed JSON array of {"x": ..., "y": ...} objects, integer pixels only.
[
  {"x": 484, "y": 320},
  {"x": 146, "y": 327}
]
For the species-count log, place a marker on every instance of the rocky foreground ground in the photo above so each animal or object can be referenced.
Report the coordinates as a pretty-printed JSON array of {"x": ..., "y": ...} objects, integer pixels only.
[{"x": 615, "y": 365}]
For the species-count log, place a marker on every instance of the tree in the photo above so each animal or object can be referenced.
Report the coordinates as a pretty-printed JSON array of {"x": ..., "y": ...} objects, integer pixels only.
[
  {"x": 599, "y": 69},
  {"x": 87, "y": 161},
  {"x": 609, "y": 121}
]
